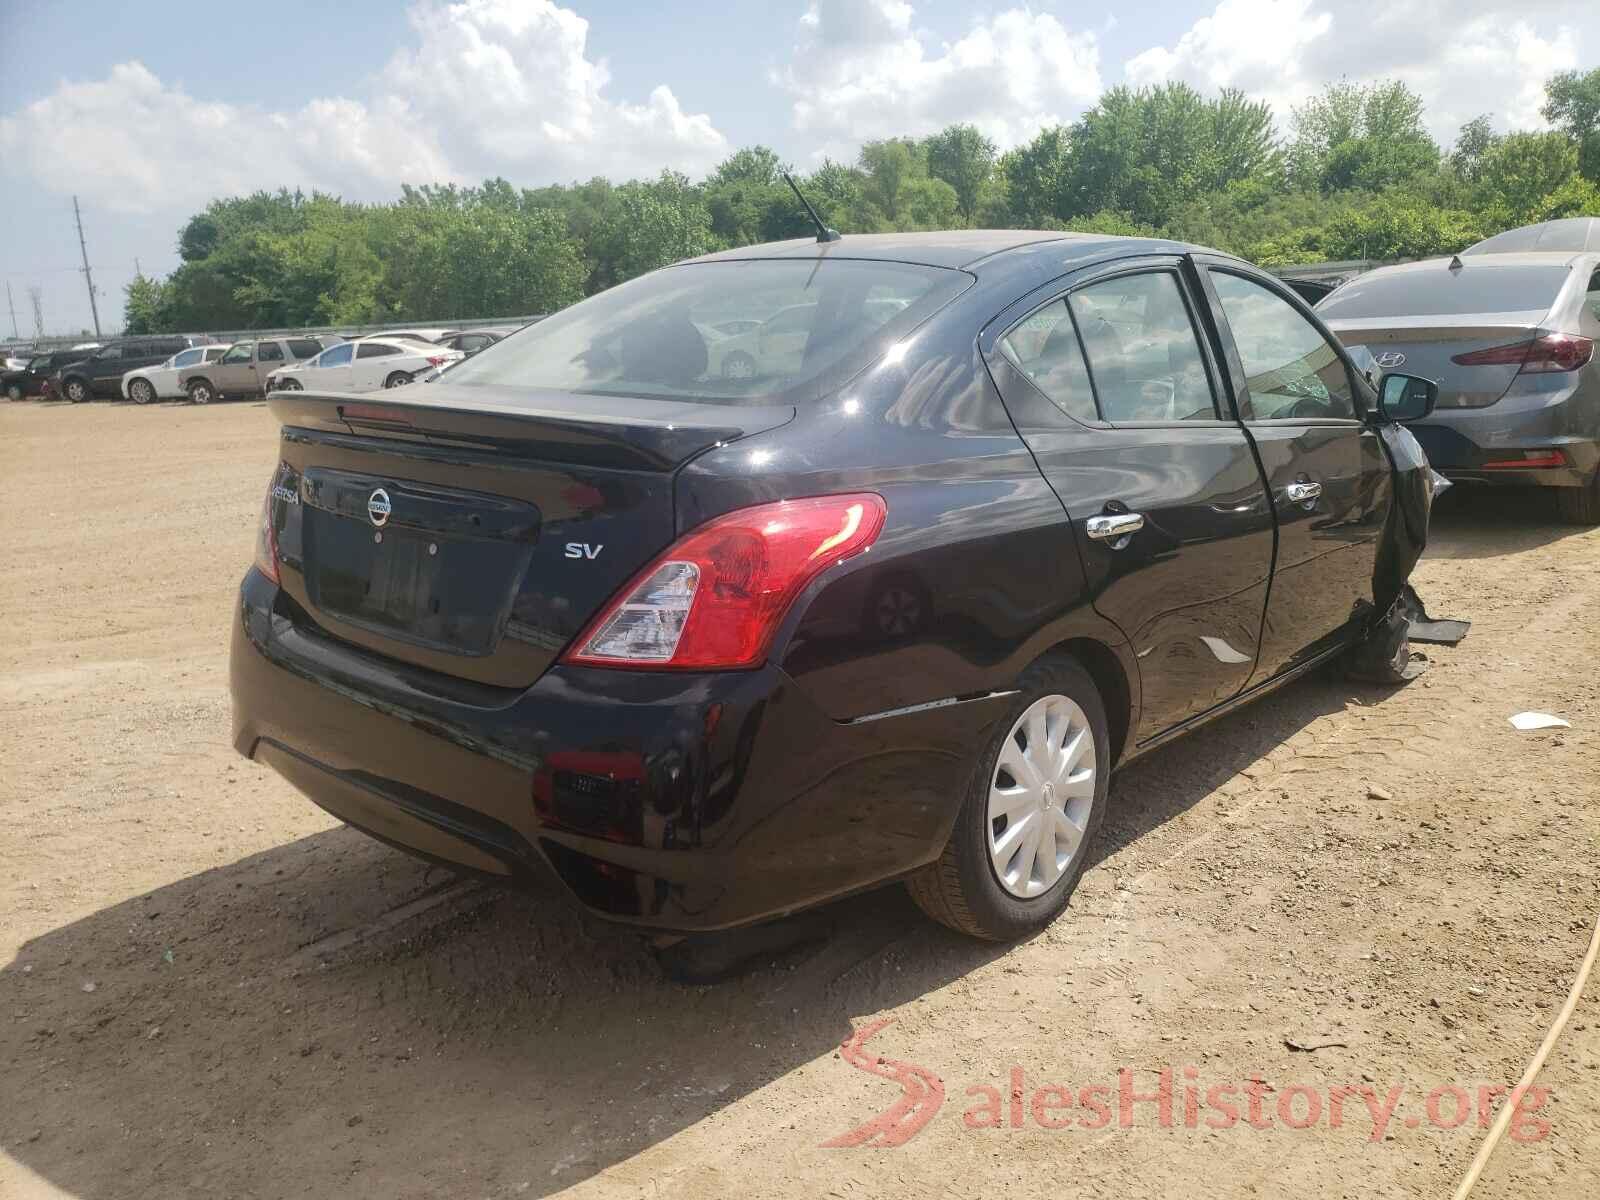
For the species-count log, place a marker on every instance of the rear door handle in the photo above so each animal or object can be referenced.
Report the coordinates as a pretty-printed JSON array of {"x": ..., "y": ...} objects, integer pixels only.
[
  {"x": 1303, "y": 492},
  {"x": 1116, "y": 528}
]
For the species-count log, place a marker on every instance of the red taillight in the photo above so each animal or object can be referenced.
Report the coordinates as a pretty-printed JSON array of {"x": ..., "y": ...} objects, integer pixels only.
[
  {"x": 437, "y": 360},
  {"x": 373, "y": 414},
  {"x": 714, "y": 599},
  {"x": 267, "y": 539},
  {"x": 1549, "y": 352},
  {"x": 1530, "y": 458}
]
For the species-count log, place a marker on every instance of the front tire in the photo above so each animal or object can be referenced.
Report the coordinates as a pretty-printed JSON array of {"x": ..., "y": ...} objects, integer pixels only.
[
  {"x": 201, "y": 392},
  {"x": 14, "y": 392},
  {"x": 1030, "y": 813},
  {"x": 75, "y": 390},
  {"x": 1580, "y": 505},
  {"x": 140, "y": 391},
  {"x": 289, "y": 385}
]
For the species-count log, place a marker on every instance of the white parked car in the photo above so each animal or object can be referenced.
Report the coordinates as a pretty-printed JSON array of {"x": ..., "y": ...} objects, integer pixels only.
[
  {"x": 160, "y": 382},
  {"x": 364, "y": 365}
]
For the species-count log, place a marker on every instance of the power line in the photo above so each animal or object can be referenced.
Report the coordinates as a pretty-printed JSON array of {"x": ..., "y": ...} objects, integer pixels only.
[{"x": 87, "y": 277}]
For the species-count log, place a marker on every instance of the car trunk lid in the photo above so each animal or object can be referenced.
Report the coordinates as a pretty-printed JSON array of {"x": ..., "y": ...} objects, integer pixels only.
[
  {"x": 472, "y": 531},
  {"x": 1428, "y": 346}
]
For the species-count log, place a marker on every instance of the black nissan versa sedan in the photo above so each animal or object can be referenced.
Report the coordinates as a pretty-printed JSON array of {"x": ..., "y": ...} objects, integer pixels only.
[{"x": 985, "y": 515}]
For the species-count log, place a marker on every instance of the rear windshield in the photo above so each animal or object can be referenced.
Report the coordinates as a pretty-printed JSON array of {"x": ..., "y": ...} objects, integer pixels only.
[
  {"x": 1442, "y": 292},
  {"x": 802, "y": 327}
]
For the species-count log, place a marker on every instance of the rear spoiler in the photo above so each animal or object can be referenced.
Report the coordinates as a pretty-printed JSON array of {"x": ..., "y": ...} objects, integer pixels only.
[{"x": 625, "y": 432}]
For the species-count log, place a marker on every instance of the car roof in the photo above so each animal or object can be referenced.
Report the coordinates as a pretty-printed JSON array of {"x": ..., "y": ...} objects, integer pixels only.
[
  {"x": 1485, "y": 262},
  {"x": 960, "y": 248},
  {"x": 1566, "y": 234}
]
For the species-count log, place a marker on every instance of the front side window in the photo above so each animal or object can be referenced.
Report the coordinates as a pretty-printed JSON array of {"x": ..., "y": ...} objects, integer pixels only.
[
  {"x": 109, "y": 354},
  {"x": 187, "y": 359},
  {"x": 1044, "y": 347},
  {"x": 662, "y": 334},
  {"x": 1291, "y": 371},
  {"x": 1143, "y": 354},
  {"x": 241, "y": 353},
  {"x": 338, "y": 356},
  {"x": 376, "y": 350}
]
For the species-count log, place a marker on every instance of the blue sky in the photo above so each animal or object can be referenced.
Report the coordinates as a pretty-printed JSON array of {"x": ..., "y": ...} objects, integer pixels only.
[{"x": 146, "y": 111}]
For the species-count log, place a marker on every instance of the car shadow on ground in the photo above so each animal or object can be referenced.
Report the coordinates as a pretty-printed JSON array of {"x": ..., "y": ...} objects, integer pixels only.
[
  {"x": 330, "y": 1015},
  {"x": 1483, "y": 522}
]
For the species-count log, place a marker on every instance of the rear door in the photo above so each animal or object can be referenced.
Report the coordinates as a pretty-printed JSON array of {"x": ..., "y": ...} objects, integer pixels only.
[
  {"x": 270, "y": 356},
  {"x": 1326, "y": 470},
  {"x": 374, "y": 361},
  {"x": 1115, "y": 393}
]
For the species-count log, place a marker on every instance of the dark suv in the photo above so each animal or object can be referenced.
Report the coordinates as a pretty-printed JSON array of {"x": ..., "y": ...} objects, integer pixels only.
[
  {"x": 100, "y": 374},
  {"x": 35, "y": 379},
  {"x": 1006, "y": 510}
]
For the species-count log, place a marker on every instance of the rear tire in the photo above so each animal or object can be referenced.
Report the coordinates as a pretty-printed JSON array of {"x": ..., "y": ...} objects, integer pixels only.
[
  {"x": 1580, "y": 505},
  {"x": 75, "y": 390},
  {"x": 14, "y": 392},
  {"x": 140, "y": 391},
  {"x": 1057, "y": 701},
  {"x": 397, "y": 379},
  {"x": 201, "y": 392},
  {"x": 289, "y": 385}
]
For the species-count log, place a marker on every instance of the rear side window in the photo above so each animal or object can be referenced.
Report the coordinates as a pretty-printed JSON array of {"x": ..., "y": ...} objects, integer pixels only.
[
  {"x": 822, "y": 320},
  {"x": 304, "y": 347},
  {"x": 269, "y": 352},
  {"x": 1144, "y": 357},
  {"x": 1437, "y": 291},
  {"x": 376, "y": 350},
  {"x": 1044, "y": 347}
]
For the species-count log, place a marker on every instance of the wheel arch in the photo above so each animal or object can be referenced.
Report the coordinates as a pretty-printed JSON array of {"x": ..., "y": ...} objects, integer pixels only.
[{"x": 1112, "y": 678}]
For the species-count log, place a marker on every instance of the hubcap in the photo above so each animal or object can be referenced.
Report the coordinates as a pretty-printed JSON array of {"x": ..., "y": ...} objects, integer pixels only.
[
  {"x": 740, "y": 368},
  {"x": 1040, "y": 796}
]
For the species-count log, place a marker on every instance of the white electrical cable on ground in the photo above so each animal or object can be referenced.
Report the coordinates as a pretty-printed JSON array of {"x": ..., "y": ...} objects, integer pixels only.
[{"x": 1481, "y": 1160}]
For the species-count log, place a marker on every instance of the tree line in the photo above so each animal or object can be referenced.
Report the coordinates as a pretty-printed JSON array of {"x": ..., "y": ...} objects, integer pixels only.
[{"x": 1357, "y": 176}]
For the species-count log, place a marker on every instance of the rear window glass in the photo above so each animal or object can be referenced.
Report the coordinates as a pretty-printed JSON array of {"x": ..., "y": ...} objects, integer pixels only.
[
  {"x": 1442, "y": 292},
  {"x": 665, "y": 334}
]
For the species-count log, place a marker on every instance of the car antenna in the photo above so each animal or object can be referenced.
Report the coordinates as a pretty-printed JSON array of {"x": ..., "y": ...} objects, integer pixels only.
[{"x": 824, "y": 232}]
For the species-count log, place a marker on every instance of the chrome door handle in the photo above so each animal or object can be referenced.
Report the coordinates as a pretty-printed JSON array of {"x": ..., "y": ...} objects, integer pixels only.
[
  {"x": 1303, "y": 493},
  {"x": 1114, "y": 527}
]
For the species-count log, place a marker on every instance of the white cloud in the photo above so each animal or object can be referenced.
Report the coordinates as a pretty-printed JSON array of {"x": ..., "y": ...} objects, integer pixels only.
[
  {"x": 493, "y": 87},
  {"x": 1463, "y": 57},
  {"x": 862, "y": 70}
]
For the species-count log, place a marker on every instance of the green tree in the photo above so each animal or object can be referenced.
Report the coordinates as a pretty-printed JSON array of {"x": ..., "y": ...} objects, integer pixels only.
[
  {"x": 648, "y": 225},
  {"x": 145, "y": 307},
  {"x": 1034, "y": 175},
  {"x": 1572, "y": 103},
  {"x": 1519, "y": 170},
  {"x": 1353, "y": 136},
  {"x": 963, "y": 158}
]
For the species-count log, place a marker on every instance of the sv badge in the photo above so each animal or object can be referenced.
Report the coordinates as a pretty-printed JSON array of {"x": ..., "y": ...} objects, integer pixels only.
[{"x": 584, "y": 550}]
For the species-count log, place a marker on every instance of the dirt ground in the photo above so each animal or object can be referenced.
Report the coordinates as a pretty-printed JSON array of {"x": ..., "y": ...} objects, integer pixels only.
[{"x": 207, "y": 988}]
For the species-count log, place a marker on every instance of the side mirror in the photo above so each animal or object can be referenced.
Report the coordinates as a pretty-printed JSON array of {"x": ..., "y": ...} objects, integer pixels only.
[{"x": 1406, "y": 397}]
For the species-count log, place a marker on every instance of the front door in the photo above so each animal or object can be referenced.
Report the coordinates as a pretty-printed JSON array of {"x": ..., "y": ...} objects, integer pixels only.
[
  {"x": 332, "y": 372},
  {"x": 1327, "y": 472},
  {"x": 1114, "y": 392},
  {"x": 235, "y": 372}
]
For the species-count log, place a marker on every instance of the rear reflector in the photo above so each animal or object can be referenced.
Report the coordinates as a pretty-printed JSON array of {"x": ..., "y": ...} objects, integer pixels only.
[
  {"x": 715, "y": 598},
  {"x": 1530, "y": 458},
  {"x": 1549, "y": 352}
]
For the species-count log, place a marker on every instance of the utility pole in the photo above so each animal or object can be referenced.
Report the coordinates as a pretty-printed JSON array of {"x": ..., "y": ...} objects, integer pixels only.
[
  {"x": 88, "y": 278},
  {"x": 12, "y": 304},
  {"x": 36, "y": 294}
]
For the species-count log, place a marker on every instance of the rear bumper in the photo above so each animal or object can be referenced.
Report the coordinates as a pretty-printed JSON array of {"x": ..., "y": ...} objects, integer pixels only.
[
  {"x": 679, "y": 802},
  {"x": 1460, "y": 442}
]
